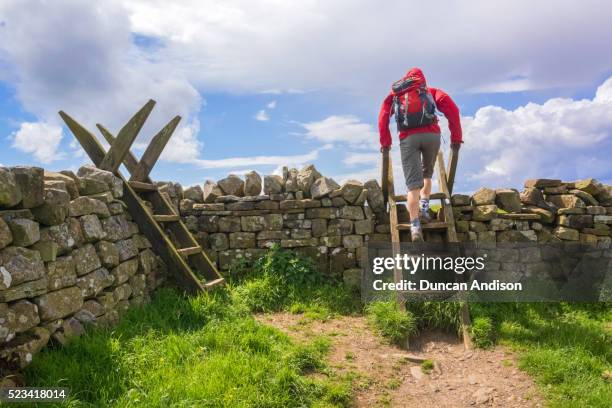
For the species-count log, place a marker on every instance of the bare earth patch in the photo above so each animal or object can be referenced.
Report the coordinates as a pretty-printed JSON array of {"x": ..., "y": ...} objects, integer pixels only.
[{"x": 385, "y": 376}]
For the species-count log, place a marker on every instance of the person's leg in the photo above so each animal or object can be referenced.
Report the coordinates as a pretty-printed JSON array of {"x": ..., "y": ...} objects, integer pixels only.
[
  {"x": 430, "y": 146},
  {"x": 413, "y": 174}
]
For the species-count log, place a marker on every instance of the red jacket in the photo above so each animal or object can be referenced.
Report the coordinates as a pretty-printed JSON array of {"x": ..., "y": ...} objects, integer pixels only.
[{"x": 444, "y": 103}]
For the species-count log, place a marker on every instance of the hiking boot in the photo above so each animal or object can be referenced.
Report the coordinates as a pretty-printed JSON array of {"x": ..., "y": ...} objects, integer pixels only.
[
  {"x": 424, "y": 216},
  {"x": 416, "y": 234}
]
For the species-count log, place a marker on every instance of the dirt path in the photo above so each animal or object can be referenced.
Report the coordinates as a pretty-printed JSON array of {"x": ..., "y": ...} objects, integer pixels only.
[{"x": 385, "y": 377}]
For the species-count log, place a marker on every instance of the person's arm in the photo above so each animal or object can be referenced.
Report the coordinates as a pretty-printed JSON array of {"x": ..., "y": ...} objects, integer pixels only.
[
  {"x": 447, "y": 106},
  {"x": 383, "y": 122}
]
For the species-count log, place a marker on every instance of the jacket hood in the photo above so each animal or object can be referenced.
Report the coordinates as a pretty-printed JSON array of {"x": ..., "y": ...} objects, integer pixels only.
[{"x": 417, "y": 75}]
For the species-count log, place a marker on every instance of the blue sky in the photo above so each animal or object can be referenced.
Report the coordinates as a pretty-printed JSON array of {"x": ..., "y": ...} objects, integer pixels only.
[{"x": 262, "y": 84}]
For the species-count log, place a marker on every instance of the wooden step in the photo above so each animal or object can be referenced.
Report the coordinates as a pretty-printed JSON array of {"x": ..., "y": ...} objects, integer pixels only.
[
  {"x": 433, "y": 225},
  {"x": 211, "y": 284},
  {"x": 141, "y": 187},
  {"x": 189, "y": 251},
  {"x": 434, "y": 196},
  {"x": 166, "y": 218}
]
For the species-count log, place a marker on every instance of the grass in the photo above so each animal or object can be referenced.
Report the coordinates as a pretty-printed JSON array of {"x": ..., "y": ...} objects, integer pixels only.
[
  {"x": 567, "y": 348},
  {"x": 208, "y": 351},
  {"x": 427, "y": 366}
]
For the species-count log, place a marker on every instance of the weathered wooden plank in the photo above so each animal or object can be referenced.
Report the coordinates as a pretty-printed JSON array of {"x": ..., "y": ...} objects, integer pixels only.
[
  {"x": 154, "y": 150},
  {"x": 403, "y": 197},
  {"x": 190, "y": 251},
  {"x": 126, "y": 136},
  {"x": 88, "y": 141},
  {"x": 166, "y": 218},
  {"x": 139, "y": 186},
  {"x": 433, "y": 225},
  {"x": 384, "y": 177},
  {"x": 160, "y": 242},
  {"x": 452, "y": 169},
  {"x": 129, "y": 160},
  {"x": 211, "y": 284}
]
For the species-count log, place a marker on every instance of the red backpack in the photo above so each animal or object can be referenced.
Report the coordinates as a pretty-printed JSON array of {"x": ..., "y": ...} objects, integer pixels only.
[{"x": 413, "y": 105}]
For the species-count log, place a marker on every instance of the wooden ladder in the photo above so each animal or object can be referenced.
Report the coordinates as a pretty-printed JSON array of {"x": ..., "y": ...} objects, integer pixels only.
[
  {"x": 445, "y": 222},
  {"x": 163, "y": 227}
]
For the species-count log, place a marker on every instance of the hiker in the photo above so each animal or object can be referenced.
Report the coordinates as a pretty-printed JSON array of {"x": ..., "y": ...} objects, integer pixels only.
[{"x": 414, "y": 105}]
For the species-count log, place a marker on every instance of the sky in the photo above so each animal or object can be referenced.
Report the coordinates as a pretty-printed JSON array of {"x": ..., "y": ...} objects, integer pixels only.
[{"x": 268, "y": 83}]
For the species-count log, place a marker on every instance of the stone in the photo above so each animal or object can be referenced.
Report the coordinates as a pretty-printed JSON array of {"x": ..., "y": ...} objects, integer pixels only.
[
  {"x": 352, "y": 277},
  {"x": 85, "y": 259},
  {"x": 210, "y": 192},
  {"x": 252, "y": 223},
  {"x": 333, "y": 241},
  {"x": 90, "y": 186},
  {"x": 194, "y": 193},
  {"x": 324, "y": 212},
  {"x": 252, "y": 184},
  {"x": 10, "y": 193},
  {"x": 339, "y": 227},
  {"x": 301, "y": 234},
  {"x": 541, "y": 183},
  {"x": 586, "y": 197},
  {"x": 19, "y": 351},
  {"x": 484, "y": 212},
  {"x": 566, "y": 201},
  {"x": 589, "y": 239},
  {"x": 113, "y": 183},
  {"x": 351, "y": 213},
  {"x": 70, "y": 329},
  {"x": 294, "y": 243},
  {"x": 299, "y": 204},
  {"x": 483, "y": 196},
  {"x": 138, "y": 283},
  {"x": 58, "y": 304},
  {"x": 6, "y": 236},
  {"x": 530, "y": 235},
  {"x": 95, "y": 282},
  {"x": 534, "y": 197},
  {"x": 604, "y": 219},
  {"x": 352, "y": 241},
  {"x": 273, "y": 184},
  {"x": 17, "y": 317},
  {"x": 508, "y": 200},
  {"x": 596, "y": 210},
  {"x": 31, "y": 184},
  {"x": 124, "y": 270},
  {"x": 546, "y": 216},
  {"x": 116, "y": 227},
  {"x": 477, "y": 226},
  {"x": 92, "y": 228},
  {"x": 567, "y": 234},
  {"x": 61, "y": 273},
  {"x": 242, "y": 240},
  {"x": 322, "y": 186},
  {"x": 290, "y": 180},
  {"x": 25, "y": 232},
  {"x": 460, "y": 200},
  {"x": 228, "y": 224},
  {"x": 19, "y": 265},
  {"x": 63, "y": 235},
  {"x": 590, "y": 186},
  {"x": 218, "y": 242},
  {"x": 55, "y": 208},
  {"x": 486, "y": 236},
  {"x": 87, "y": 205},
  {"x": 306, "y": 177},
  {"x": 232, "y": 185},
  {"x": 363, "y": 227},
  {"x": 351, "y": 190},
  {"x": 70, "y": 180},
  {"x": 94, "y": 307},
  {"x": 127, "y": 249},
  {"x": 511, "y": 236},
  {"x": 576, "y": 221},
  {"x": 47, "y": 250},
  {"x": 375, "y": 195},
  {"x": 147, "y": 261}
]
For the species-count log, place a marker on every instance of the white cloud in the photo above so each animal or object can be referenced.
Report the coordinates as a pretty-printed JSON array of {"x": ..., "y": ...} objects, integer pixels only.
[
  {"x": 268, "y": 45},
  {"x": 344, "y": 128},
  {"x": 559, "y": 137},
  {"x": 262, "y": 116},
  {"x": 39, "y": 139},
  {"x": 237, "y": 162},
  {"x": 271, "y": 105}
]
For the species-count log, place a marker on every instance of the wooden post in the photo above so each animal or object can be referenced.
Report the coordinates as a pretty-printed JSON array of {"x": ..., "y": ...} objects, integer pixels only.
[
  {"x": 452, "y": 169},
  {"x": 384, "y": 178}
]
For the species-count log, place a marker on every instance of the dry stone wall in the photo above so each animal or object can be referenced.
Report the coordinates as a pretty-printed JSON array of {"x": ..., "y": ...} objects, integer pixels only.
[{"x": 70, "y": 256}]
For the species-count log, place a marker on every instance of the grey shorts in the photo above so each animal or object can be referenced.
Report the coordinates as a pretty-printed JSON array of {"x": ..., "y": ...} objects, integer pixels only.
[{"x": 419, "y": 152}]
